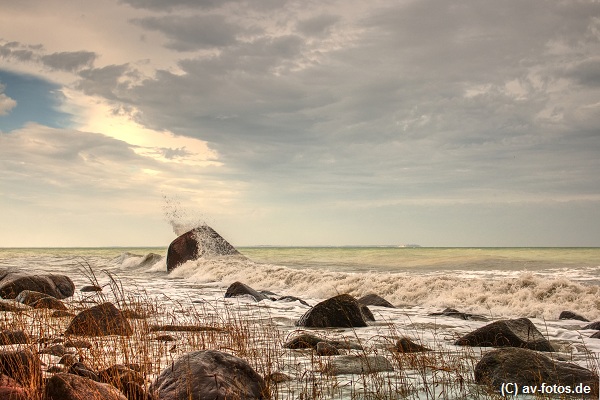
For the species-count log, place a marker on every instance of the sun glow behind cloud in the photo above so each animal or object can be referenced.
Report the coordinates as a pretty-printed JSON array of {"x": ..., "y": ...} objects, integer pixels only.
[{"x": 94, "y": 114}]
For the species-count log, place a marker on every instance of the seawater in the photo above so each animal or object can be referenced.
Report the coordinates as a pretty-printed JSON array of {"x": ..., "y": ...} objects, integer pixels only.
[{"x": 495, "y": 283}]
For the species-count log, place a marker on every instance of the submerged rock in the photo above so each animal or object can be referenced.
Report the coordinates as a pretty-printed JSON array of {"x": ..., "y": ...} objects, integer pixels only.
[
  {"x": 342, "y": 311},
  {"x": 358, "y": 365},
  {"x": 593, "y": 325},
  {"x": 519, "y": 332},
  {"x": 406, "y": 345},
  {"x": 199, "y": 242},
  {"x": 326, "y": 349},
  {"x": 209, "y": 374},
  {"x": 101, "y": 320},
  {"x": 373, "y": 299},
  {"x": 451, "y": 312},
  {"x": 12, "y": 283},
  {"x": 572, "y": 315},
  {"x": 308, "y": 341},
  {"x": 527, "y": 367},
  {"x": 237, "y": 289},
  {"x": 64, "y": 386}
]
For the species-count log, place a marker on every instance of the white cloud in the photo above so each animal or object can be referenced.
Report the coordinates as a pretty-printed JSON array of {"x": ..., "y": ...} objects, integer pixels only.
[{"x": 6, "y": 103}]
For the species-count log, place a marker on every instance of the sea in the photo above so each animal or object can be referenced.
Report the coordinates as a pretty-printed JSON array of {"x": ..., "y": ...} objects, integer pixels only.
[{"x": 491, "y": 283}]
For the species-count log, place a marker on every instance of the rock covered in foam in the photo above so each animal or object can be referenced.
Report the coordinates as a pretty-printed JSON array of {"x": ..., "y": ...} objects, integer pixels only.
[
  {"x": 209, "y": 374},
  {"x": 342, "y": 311},
  {"x": 202, "y": 241}
]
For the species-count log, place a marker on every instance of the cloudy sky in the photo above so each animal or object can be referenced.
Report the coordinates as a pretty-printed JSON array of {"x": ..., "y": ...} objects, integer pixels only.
[{"x": 473, "y": 123}]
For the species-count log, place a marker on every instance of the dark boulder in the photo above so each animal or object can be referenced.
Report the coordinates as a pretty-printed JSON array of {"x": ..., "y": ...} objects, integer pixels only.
[
  {"x": 91, "y": 288},
  {"x": 199, "y": 242},
  {"x": 12, "y": 306},
  {"x": 73, "y": 387},
  {"x": 593, "y": 325},
  {"x": 10, "y": 336},
  {"x": 209, "y": 374},
  {"x": 375, "y": 300},
  {"x": 80, "y": 369},
  {"x": 291, "y": 299},
  {"x": 308, "y": 341},
  {"x": 572, "y": 315},
  {"x": 40, "y": 300},
  {"x": 11, "y": 390},
  {"x": 526, "y": 367},
  {"x": 23, "y": 366},
  {"x": 13, "y": 283},
  {"x": 237, "y": 289},
  {"x": 342, "y": 311},
  {"x": 123, "y": 378},
  {"x": 101, "y": 320},
  {"x": 454, "y": 313},
  {"x": 519, "y": 332},
  {"x": 406, "y": 345},
  {"x": 366, "y": 313},
  {"x": 596, "y": 335}
]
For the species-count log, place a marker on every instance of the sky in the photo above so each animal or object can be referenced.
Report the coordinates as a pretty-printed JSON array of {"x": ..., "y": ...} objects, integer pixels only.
[{"x": 300, "y": 123}]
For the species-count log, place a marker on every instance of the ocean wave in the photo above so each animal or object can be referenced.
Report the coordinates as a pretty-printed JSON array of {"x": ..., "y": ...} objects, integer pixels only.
[{"x": 495, "y": 294}]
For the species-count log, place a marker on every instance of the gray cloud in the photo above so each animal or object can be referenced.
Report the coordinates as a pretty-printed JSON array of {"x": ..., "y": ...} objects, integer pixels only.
[
  {"x": 70, "y": 61},
  {"x": 317, "y": 26},
  {"x": 158, "y": 5},
  {"x": 188, "y": 33}
]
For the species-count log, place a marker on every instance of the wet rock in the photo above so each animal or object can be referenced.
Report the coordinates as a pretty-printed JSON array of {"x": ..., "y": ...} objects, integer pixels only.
[
  {"x": 237, "y": 289},
  {"x": 199, "y": 242},
  {"x": 209, "y": 374},
  {"x": 366, "y": 313},
  {"x": 326, "y": 349},
  {"x": 23, "y": 366},
  {"x": 308, "y": 341},
  {"x": 68, "y": 359},
  {"x": 375, "y": 300},
  {"x": 593, "y": 325},
  {"x": 61, "y": 314},
  {"x": 90, "y": 289},
  {"x": 341, "y": 311},
  {"x": 519, "y": 332},
  {"x": 12, "y": 283},
  {"x": 123, "y": 378},
  {"x": 572, "y": 315},
  {"x": 291, "y": 299},
  {"x": 80, "y": 369},
  {"x": 12, "y": 306},
  {"x": 358, "y": 365},
  {"x": 58, "y": 350},
  {"x": 40, "y": 300},
  {"x": 165, "y": 338},
  {"x": 406, "y": 345},
  {"x": 451, "y": 312},
  {"x": 596, "y": 335},
  {"x": 13, "y": 337},
  {"x": 149, "y": 260},
  {"x": 101, "y": 320},
  {"x": 11, "y": 390},
  {"x": 527, "y": 367},
  {"x": 73, "y": 387},
  {"x": 277, "y": 377}
]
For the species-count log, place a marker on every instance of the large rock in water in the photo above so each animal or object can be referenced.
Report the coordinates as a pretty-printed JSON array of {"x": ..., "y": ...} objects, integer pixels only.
[
  {"x": 529, "y": 368},
  {"x": 209, "y": 374},
  {"x": 199, "y": 242},
  {"x": 12, "y": 283},
  {"x": 237, "y": 289},
  {"x": 342, "y": 311},
  {"x": 520, "y": 332},
  {"x": 101, "y": 320}
]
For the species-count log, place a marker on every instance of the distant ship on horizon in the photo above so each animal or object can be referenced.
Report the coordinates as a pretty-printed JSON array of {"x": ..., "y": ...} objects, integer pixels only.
[{"x": 410, "y": 245}]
